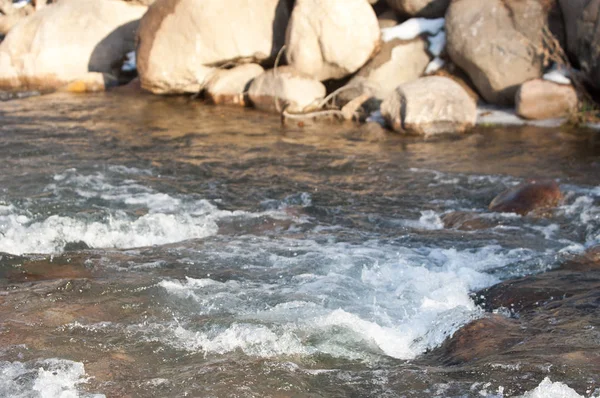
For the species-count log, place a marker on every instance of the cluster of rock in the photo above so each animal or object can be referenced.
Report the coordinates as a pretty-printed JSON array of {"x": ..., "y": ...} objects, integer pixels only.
[{"x": 286, "y": 56}]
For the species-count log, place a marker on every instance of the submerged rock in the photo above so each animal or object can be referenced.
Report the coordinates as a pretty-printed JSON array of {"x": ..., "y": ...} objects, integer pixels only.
[
  {"x": 331, "y": 39},
  {"x": 430, "y": 105},
  {"x": 529, "y": 196},
  {"x": 550, "y": 318},
  {"x": 497, "y": 43},
  {"x": 181, "y": 42},
  {"x": 230, "y": 86},
  {"x": 285, "y": 88},
  {"x": 466, "y": 221},
  {"x": 34, "y": 53},
  {"x": 420, "y": 8},
  {"x": 541, "y": 99}
]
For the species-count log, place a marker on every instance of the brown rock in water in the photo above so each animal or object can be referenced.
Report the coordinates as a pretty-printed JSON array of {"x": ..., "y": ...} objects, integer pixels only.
[
  {"x": 398, "y": 62},
  {"x": 285, "y": 88},
  {"x": 420, "y": 8},
  {"x": 230, "y": 86},
  {"x": 541, "y": 99},
  {"x": 331, "y": 39},
  {"x": 62, "y": 43},
  {"x": 181, "y": 42},
  {"x": 466, "y": 221},
  {"x": 588, "y": 261},
  {"x": 528, "y": 196},
  {"x": 481, "y": 338},
  {"x": 430, "y": 105},
  {"x": 497, "y": 43}
]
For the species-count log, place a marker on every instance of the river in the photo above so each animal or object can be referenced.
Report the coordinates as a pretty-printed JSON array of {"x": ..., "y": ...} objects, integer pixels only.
[{"x": 162, "y": 247}]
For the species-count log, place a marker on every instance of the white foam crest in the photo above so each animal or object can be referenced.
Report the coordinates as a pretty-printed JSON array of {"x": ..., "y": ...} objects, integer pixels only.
[
  {"x": 429, "y": 220},
  {"x": 49, "y": 378},
  {"x": 548, "y": 389},
  {"x": 587, "y": 214},
  {"x": 255, "y": 340},
  {"x": 353, "y": 301},
  {"x": 118, "y": 231}
]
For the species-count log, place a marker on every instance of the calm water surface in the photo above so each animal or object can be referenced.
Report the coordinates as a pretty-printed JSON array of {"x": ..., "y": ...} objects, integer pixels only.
[{"x": 160, "y": 247}]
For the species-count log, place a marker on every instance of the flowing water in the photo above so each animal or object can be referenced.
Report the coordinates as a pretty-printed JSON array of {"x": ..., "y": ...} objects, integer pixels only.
[{"x": 160, "y": 247}]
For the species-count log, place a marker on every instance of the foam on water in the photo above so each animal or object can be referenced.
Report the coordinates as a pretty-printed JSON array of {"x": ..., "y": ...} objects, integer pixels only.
[
  {"x": 49, "y": 378},
  {"x": 548, "y": 389},
  {"x": 125, "y": 214},
  {"x": 357, "y": 302}
]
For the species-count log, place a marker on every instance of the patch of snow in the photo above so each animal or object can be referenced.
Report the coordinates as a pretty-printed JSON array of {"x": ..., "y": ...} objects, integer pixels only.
[
  {"x": 376, "y": 117},
  {"x": 437, "y": 43},
  {"x": 20, "y": 3},
  {"x": 412, "y": 28},
  {"x": 129, "y": 65},
  {"x": 436, "y": 64}
]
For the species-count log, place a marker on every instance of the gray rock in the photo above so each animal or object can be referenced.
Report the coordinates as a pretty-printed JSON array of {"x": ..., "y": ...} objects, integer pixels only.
[
  {"x": 287, "y": 89},
  {"x": 420, "y": 8},
  {"x": 583, "y": 41},
  {"x": 497, "y": 43},
  {"x": 331, "y": 39},
  {"x": 181, "y": 42},
  {"x": 541, "y": 99},
  {"x": 229, "y": 86},
  {"x": 430, "y": 105},
  {"x": 64, "y": 41}
]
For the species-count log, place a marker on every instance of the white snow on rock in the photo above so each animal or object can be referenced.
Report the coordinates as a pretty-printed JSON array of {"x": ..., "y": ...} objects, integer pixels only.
[
  {"x": 557, "y": 75},
  {"x": 412, "y": 28},
  {"x": 436, "y": 64},
  {"x": 129, "y": 65},
  {"x": 437, "y": 43}
]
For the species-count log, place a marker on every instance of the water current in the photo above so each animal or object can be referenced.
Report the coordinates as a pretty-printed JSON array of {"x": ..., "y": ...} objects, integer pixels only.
[{"x": 161, "y": 247}]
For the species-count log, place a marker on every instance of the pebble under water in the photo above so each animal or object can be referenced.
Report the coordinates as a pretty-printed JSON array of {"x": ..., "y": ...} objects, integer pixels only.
[{"x": 161, "y": 247}]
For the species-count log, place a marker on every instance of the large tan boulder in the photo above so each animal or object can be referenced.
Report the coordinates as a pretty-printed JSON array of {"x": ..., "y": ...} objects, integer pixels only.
[
  {"x": 398, "y": 62},
  {"x": 182, "y": 41},
  {"x": 541, "y": 99},
  {"x": 497, "y": 43},
  {"x": 420, "y": 8},
  {"x": 287, "y": 89},
  {"x": 10, "y": 15},
  {"x": 583, "y": 41},
  {"x": 430, "y": 105},
  {"x": 331, "y": 39},
  {"x": 230, "y": 86},
  {"x": 64, "y": 41}
]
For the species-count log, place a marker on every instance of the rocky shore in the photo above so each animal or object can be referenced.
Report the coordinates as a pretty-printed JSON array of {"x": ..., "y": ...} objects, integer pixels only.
[{"x": 419, "y": 67}]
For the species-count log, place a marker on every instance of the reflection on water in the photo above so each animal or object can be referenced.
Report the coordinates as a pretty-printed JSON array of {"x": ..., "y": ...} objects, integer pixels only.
[{"x": 162, "y": 247}]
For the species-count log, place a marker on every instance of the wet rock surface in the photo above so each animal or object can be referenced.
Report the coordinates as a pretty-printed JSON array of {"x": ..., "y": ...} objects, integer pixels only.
[
  {"x": 527, "y": 197},
  {"x": 551, "y": 318}
]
